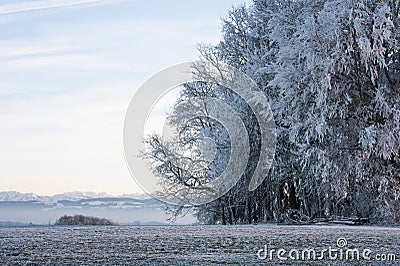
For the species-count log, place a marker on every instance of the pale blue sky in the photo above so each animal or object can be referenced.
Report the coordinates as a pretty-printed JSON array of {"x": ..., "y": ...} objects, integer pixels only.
[{"x": 68, "y": 70}]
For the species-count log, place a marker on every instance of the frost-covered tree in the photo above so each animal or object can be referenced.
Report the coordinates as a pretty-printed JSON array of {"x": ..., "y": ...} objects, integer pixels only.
[{"x": 331, "y": 71}]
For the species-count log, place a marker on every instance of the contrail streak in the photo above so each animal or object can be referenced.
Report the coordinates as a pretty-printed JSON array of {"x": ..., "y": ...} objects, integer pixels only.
[{"x": 40, "y": 5}]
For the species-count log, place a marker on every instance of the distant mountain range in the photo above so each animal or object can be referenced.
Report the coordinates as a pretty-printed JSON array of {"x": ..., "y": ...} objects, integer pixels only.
[
  {"x": 78, "y": 200},
  {"x": 71, "y": 196},
  {"x": 125, "y": 209}
]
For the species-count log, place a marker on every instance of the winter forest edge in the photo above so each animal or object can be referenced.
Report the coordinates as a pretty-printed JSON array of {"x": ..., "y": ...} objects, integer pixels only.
[{"x": 331, "y": 73}]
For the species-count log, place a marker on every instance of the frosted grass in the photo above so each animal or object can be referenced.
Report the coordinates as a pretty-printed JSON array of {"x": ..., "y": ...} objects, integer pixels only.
[{"x": 183, "y": 245}]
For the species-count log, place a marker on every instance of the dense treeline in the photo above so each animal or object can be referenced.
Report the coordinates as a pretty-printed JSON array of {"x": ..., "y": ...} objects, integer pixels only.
[
  {"x": 331, "y": 72},
  {"x": 83, "y": 220}
]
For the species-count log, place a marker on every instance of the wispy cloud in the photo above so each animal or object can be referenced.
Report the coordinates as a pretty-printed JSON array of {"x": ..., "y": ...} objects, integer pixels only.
[
  {"x": 42, "y": 4},
  {"x": 91, "y": 49}
]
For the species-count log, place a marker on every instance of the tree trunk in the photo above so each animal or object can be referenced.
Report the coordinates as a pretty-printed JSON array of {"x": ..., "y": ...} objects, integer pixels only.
[
  {"x": 292, "y": 197},
  {"x": 223, "y": 214},
  {"x": 248, "y": 210},
  {"x": 230, "y": 219}
]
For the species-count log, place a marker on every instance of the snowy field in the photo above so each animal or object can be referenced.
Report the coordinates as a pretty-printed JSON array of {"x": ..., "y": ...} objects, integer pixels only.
[{"x": 191, "y": 245}]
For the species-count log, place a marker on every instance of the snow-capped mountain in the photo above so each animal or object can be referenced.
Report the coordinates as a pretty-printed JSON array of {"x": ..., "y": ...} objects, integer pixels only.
[
  {"x": 16, "y": 196},
  {"x": 68, "y": 196}
]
